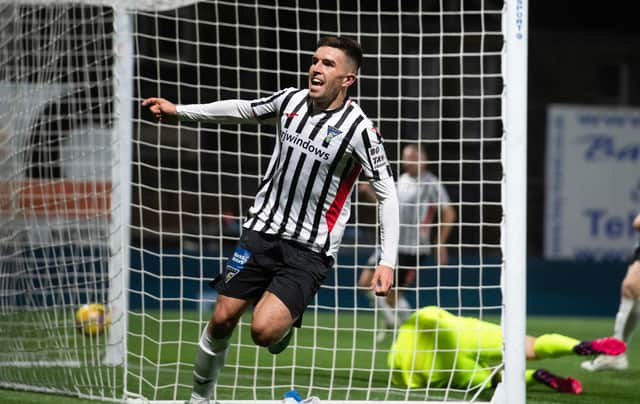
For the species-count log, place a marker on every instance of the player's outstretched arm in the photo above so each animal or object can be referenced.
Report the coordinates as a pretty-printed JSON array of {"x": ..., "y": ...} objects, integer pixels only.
[{"x": 160, "y": 107}]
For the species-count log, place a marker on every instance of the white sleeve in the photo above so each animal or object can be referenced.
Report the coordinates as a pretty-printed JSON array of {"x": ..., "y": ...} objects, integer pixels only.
[
  {"x": 227, "y": 111},
  {"x": 389, "y": 217}
]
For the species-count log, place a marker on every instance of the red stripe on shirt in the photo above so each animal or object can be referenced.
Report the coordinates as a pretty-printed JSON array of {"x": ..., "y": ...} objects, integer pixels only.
[
  {"x": 428, "y": 218},
  {"x": 341, "y": 197}
]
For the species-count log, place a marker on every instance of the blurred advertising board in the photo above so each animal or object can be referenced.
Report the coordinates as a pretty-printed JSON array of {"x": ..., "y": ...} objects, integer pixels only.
[{"x": 592, "y": 182}]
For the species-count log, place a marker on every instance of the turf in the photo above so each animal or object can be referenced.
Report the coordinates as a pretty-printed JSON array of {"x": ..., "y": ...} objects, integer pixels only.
[{"x": 603, "y": 387}]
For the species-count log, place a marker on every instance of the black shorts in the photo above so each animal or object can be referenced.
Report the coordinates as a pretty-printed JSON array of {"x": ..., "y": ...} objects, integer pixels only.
[
  {"x": 405, "y": 274},
  {"x": 263, "y": 262}
]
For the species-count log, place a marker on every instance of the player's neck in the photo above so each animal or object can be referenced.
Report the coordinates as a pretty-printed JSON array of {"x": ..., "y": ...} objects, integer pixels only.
[{"x": 318, "y": 106}]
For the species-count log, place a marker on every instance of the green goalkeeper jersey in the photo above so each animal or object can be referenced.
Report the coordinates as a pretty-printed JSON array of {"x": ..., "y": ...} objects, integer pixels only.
[{"x": 435, "y": 348}]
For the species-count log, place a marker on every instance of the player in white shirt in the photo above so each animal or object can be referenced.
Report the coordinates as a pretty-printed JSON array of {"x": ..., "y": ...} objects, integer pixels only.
[
  {"x": 294, "y": 227},
  {"x": 422, "y": 199},
  {"x": 628, "y": 314}
]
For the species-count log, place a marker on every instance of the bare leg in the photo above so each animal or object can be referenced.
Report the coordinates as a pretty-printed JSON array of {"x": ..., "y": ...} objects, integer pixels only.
[
  {"x": 629, "y": 309},
  {"x": 271, "y": 320},
  {"x": 213, "y": 346}
]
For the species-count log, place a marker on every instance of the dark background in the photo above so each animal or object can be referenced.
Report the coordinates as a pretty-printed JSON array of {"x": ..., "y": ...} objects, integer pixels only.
[
  {"x": 579, "y": 53},
  {"x": 420, "y": 80}
]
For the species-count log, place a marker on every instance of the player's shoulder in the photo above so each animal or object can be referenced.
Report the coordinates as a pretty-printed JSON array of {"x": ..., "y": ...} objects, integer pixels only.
[
  {"x": 357, "y": 111},
  {"x": 366, "y": 125},
  {"x": 295, "y": 90},
  {"x": 290, "y": 91},
  {"x": 280, "y": 99},
  {"x": 274, "y": 97}
]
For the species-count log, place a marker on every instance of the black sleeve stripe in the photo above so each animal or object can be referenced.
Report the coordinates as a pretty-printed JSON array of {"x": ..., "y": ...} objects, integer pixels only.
[
  {"x": 269, "y": 115},
  {"x": 266, "y": 116},
  {"x": 367, "y": 146},
  {"x": 268, "y": 100}
]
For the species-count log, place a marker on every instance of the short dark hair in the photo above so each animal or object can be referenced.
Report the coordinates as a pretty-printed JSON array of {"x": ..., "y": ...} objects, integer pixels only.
[{"x": 349, "y": 46}]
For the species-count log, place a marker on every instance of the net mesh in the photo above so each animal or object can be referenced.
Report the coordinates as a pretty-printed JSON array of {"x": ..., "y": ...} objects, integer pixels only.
[
  {"x": 431, "y": 75},
  {"x": 56, "y": 115}
]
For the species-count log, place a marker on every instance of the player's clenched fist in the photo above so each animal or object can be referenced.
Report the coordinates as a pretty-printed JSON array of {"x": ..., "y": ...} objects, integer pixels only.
[{"x": 160, "y": 107}]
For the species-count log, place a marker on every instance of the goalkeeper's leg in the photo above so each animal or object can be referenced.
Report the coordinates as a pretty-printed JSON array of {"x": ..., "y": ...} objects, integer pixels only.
[
  {"x": 556, "y": 345},
  {"x": 558, "y": 383}
]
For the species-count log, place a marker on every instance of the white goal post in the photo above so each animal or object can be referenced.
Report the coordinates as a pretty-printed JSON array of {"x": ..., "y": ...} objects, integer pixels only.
[{"x": 100, "y": 203}]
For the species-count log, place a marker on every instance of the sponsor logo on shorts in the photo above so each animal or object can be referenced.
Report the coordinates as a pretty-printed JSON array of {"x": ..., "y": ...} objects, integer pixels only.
[
  {"x": 230, "y": 273},
  {"x": 236, "y": 264}
]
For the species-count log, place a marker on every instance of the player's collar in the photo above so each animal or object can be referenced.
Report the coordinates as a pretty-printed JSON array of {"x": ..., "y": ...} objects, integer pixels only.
[{"x": 345, "y": 102}]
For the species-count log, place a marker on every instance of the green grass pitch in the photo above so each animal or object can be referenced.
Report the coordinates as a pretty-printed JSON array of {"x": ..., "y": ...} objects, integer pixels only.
[{"x": 604, "y": 387}]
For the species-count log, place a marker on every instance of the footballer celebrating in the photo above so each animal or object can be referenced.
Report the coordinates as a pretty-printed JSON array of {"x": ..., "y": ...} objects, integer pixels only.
[{"x": 294, "y": 227}]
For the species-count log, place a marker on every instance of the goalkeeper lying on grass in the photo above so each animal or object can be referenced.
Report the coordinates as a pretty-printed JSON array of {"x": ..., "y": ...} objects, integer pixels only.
[{"x": 469, "y": 351}]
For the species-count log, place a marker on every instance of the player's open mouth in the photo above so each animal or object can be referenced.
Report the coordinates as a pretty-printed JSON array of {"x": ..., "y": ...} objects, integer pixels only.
[{"x": 316, "y": 82}]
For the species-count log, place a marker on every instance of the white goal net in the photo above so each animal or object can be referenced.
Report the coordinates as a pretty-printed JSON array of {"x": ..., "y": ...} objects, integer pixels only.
[{"x": 100, "y": 203}]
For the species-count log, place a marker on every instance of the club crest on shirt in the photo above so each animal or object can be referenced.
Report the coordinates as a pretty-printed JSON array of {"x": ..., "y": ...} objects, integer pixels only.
[
  {"x": 331, "y": 133},
  {"x": 236, "y": 263}
]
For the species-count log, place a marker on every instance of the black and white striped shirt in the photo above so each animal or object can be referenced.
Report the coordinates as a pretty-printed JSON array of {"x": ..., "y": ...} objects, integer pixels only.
[
  {"x": 420, "y": 198},
  {"x": 305, "y": 193}
]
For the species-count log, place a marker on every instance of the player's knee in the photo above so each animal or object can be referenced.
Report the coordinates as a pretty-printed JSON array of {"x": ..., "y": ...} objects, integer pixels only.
[
  {"x": 222, "y": 323},
  {"x": 263, "y": 335},
  {"x": 630, "y": 289}
]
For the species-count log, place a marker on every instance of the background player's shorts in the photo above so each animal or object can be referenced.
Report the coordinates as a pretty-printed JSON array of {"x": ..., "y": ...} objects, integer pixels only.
[
  {"x": 264, "y": 262},
  {"x": 407, "y": 265}
]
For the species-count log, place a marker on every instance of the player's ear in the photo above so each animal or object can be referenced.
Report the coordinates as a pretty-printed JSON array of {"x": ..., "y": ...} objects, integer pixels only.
[{"x": 348, "y": 80}]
